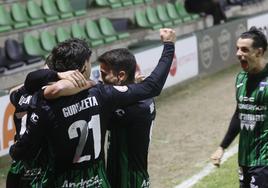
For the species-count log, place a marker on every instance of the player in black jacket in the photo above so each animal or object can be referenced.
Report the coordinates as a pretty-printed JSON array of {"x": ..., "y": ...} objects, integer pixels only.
[
  {"x": 130, "y": 127},
  {"x": 32, "y": 173}
]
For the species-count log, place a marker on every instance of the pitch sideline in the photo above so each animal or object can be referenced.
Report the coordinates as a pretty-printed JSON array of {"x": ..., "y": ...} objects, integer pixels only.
[{"x": 206, "y": 170}]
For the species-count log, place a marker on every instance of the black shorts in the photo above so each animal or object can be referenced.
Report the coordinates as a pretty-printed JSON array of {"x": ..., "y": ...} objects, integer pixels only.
[{"x": 253, "y": 177}]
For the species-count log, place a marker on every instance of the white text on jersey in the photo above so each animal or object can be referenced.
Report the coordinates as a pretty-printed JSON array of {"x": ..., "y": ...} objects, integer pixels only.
[
  {"x": 25, "y": 100},
  {"x": 80, "y": 106}
]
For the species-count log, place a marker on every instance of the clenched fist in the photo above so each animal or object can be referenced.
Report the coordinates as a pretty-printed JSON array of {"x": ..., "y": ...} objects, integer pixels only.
[{"x": 167, "y": 35}]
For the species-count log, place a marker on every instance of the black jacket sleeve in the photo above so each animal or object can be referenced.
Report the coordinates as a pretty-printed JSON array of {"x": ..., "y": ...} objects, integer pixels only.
[
  {"x": 232, "y": 132},
  {"x": 37, "y": 79}
]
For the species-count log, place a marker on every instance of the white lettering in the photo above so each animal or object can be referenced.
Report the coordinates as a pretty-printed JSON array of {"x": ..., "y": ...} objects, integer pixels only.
[
  {"x": 145, "y": 183},
  {"x": 152, "y": 108},
  {"x": 92, "y": 182},
  {"x": 251, "y": 107},
  {"x": 249, "y": 121},
  {"x": 80, "y": 106},
  {"x": 24, "y": 100}
]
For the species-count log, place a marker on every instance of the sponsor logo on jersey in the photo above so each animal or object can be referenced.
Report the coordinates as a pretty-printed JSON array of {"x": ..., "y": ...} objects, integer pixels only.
[
  {"x": 92, "y": 182},
  {"x": 263, "y": 85},
  {"x": 246, "y": 99},
  {"x": 248, "y": 121},
  {"x": 121, "y": 88},
  {"x": 25, "y": 100},
  {"x": 242, "y": 106},
  {"x": 80, "y": 106},
  {"x": 120, "y": 112},
  {"x": 251, "y": 117},
  {"x": 145, "y": 183},
  {"x": 248, "y": 125},
  {"x": 34, "y": 118}
]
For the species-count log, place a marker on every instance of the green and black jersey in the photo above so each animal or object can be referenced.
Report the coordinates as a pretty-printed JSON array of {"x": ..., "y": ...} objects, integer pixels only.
[
  {"x": 252, "y": 107},
  {"x": 130, "y": 130},
  {"x": 27, "y": 173}
]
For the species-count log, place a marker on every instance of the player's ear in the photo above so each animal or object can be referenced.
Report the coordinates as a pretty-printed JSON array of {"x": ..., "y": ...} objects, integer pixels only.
[
  {"x": 259, "y": 52},
  {"x": 122, "y": 76}
]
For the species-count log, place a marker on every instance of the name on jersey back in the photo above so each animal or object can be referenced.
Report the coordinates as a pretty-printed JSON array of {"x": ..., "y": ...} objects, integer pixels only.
[{"x": 80, "y": 106}]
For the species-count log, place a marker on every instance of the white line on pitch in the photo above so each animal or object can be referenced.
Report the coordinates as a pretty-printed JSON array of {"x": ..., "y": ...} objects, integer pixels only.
[{"x": 206, "y": 170}]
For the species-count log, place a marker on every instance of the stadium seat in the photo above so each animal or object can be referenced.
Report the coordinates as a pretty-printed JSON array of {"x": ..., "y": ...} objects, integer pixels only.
[
  {"x": 32, "y": 46},
  {"x": 102, "y": 3},
  {"x": 107, "y": 29},
  {"x": 2, "y": 60},
  {"x": 94, "y": 34},
  {"x": 107, "y": 38},
  {"x": 115, "y": 3},
  {"x": 172, "y": 13},
  {"x": 19, "y": 15},
  {"x": 65, "y": 8},
  {"x": 35, "y": 13},
  {"x": 80, "y": 6},
  {"x": 48, "y": 41},
  {"x": 8, "y": 63},
  {"x": 50, "y": 10},
  {"x": 62, "y": 34},
  {"x": 183, "y": 13},
  {"x": 148, "y": 1},
  {"x": 16, "y": 52},
  {"x": 142, "y": 21},
  {"x": 137, "y": 1},
  {"x": 126, "y": 2},
  {"x": 78, "y": 31},
  {"x": 152, "y": 17},
  {"x": 5, "y": 20},
  {"x": 2, "y": 67},
  {"x": 163, "y": 16},
  {"x": 80, "y": 12}
]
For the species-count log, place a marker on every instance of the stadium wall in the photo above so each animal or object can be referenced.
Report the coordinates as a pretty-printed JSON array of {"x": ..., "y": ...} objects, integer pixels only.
[{"x": 201, "y": 53}]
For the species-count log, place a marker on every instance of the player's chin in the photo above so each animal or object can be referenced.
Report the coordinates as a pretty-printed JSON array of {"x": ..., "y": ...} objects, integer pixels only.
[{"x": 244, "y": 65}]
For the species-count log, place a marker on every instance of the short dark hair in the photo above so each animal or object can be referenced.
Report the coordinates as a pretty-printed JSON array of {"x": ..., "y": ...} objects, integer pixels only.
[
  {"x": 70, "y": 54},
  {"x": 258, "y": 37},
  {"x": 120, "y": 59}
]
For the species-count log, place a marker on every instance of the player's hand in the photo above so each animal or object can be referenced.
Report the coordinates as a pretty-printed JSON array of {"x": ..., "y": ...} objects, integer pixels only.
[
  {"x": 75, "y": 77},
  {"x": 167, "y": 35},
  {"x": 139, "y": 78},
  {"x": 216, "y": 156},
  {"x": 89, "y": 84}
]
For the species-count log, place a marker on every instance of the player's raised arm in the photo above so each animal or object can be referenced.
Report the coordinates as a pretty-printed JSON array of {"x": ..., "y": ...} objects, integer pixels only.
[{"x": 153, "y": 84}]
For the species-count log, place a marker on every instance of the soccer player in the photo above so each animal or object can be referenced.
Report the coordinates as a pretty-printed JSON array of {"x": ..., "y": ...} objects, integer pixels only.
[
  {"x": 74, "y": 126},
  {"x": 21, "y": 101},
  {"x": 31, "y": 173},
  {"x": 250, "y": 117},
  {"x": 130, "y": 127}
]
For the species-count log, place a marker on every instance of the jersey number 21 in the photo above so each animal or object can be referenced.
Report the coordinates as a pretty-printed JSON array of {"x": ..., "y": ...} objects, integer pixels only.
[{"x": 84, "y": 126}]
